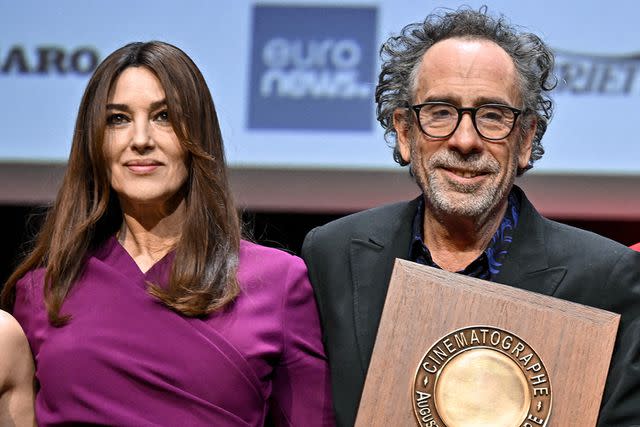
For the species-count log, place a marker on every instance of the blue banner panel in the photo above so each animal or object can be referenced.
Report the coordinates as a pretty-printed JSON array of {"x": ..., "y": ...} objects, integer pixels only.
[{"x": 312, "y": 68}]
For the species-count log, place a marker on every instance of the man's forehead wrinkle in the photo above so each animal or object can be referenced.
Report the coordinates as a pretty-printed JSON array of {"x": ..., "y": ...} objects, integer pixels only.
[
  {"x": 468, "y": 60},
  {"x": 454, "y": 64}
]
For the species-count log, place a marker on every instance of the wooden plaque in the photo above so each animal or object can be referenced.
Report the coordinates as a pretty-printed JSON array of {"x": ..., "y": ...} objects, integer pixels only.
[{"x": 424, "y": 306}]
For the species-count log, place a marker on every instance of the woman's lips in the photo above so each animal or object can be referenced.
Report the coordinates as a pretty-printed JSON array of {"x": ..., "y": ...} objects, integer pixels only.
[{"x": 142, "y": 167}]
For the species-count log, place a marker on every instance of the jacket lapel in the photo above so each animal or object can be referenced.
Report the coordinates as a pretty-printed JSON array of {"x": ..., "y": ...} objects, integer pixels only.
[
  {"x": 372, "y": 255},
  {"x": 372, "y": 258},
  {"x": 527, "y": 265}
]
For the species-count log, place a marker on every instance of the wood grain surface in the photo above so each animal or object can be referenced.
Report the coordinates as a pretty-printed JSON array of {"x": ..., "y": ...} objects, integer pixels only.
[{"x": 424, "y": 304}]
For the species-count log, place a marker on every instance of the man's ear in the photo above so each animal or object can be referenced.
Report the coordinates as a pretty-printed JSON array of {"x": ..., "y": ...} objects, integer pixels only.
[
  {"x": 402, "y": 126},
  {"x": 525, "y": 145}
]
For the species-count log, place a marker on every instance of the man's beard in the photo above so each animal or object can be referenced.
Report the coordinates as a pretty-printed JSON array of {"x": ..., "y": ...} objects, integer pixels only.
[{"x": 464, "y": 200}]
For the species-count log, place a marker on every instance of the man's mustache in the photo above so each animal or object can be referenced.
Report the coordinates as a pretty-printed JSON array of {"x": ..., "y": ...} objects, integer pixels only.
[{"x": 471, "y": 163}]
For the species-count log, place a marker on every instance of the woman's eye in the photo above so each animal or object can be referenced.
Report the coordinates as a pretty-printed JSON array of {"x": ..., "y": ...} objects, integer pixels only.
[
  {"x": 117, "y": 119},
  {"x": 163, "y": 116}
]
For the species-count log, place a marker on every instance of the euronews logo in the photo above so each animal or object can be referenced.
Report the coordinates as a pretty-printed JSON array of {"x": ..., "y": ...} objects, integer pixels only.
[
  {"x": 316, "y": 69},
  {"x": 312, "y": 68}
]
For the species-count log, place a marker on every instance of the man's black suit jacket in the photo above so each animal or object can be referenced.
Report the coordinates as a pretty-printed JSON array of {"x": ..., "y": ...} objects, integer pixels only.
[{"x": 350, "y": 262}]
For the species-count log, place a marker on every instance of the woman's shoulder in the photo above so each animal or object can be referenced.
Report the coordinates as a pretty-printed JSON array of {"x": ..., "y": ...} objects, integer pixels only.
[
  {"x": 29, "y": 287},
  {"x": 32, "y": 278},
  {"x": 261, "y": 263},
  {"x": 16, "y": 373},
  {"x": 13, "y": 341},
  {"x": 29, "y": 306},
  {"x": 10, "y": 329},
  {"x": 263, "y": 255}
]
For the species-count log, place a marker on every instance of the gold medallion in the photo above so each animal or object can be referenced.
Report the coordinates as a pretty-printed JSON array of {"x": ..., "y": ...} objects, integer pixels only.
[{"x": 481, "y": 376}]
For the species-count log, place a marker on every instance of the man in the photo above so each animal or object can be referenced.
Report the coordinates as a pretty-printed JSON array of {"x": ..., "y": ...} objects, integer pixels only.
[{"x": 463, "y": 98}]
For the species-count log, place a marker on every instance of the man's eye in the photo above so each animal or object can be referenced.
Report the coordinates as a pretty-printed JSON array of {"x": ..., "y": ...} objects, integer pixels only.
[
  {"x": 441, "y": 113},
  {"x": 493, "y": 116},
  {"x": 117, "y": 119},
  {"x": 438, "y": 113}
]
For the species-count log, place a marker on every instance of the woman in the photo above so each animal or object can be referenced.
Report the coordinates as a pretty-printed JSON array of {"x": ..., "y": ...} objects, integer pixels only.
[
  {"x": 16, "y": 375},
  {"x": 141, "y": 303}
]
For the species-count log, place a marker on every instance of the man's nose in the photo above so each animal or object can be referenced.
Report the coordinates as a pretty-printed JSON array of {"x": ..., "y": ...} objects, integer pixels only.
[{"x": 466, "y": 139}]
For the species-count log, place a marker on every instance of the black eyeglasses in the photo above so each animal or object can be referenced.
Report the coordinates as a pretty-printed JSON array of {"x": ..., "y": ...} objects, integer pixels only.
[{"x": 441, "y": 119}]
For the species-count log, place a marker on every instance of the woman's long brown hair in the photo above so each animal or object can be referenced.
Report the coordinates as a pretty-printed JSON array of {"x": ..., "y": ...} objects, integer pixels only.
[{"x": 86, "y": 210}]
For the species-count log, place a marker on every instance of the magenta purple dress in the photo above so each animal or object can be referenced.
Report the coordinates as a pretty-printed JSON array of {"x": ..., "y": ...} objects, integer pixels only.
[{"x": 125, "y": 359}]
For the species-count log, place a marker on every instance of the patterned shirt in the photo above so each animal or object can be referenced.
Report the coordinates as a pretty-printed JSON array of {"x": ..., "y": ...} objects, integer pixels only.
[{"x": 489, "y": 263}]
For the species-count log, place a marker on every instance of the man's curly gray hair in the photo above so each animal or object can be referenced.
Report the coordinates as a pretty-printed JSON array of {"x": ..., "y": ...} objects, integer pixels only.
[{"x": 401, "y": 56}]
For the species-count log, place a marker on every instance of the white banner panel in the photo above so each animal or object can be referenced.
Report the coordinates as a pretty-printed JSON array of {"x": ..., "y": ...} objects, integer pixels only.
[{"x": 293, "y": 83}]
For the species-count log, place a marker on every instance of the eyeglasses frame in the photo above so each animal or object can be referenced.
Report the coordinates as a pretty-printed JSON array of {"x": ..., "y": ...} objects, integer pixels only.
[{"x": 461, "y": 110}]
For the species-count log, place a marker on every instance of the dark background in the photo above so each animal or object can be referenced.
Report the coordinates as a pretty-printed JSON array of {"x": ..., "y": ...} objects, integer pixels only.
[{"x": 281, "y": 230}]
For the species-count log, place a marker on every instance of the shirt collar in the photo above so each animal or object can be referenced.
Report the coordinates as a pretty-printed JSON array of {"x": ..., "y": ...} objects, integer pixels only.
[{"x": 489, "y": 263}]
